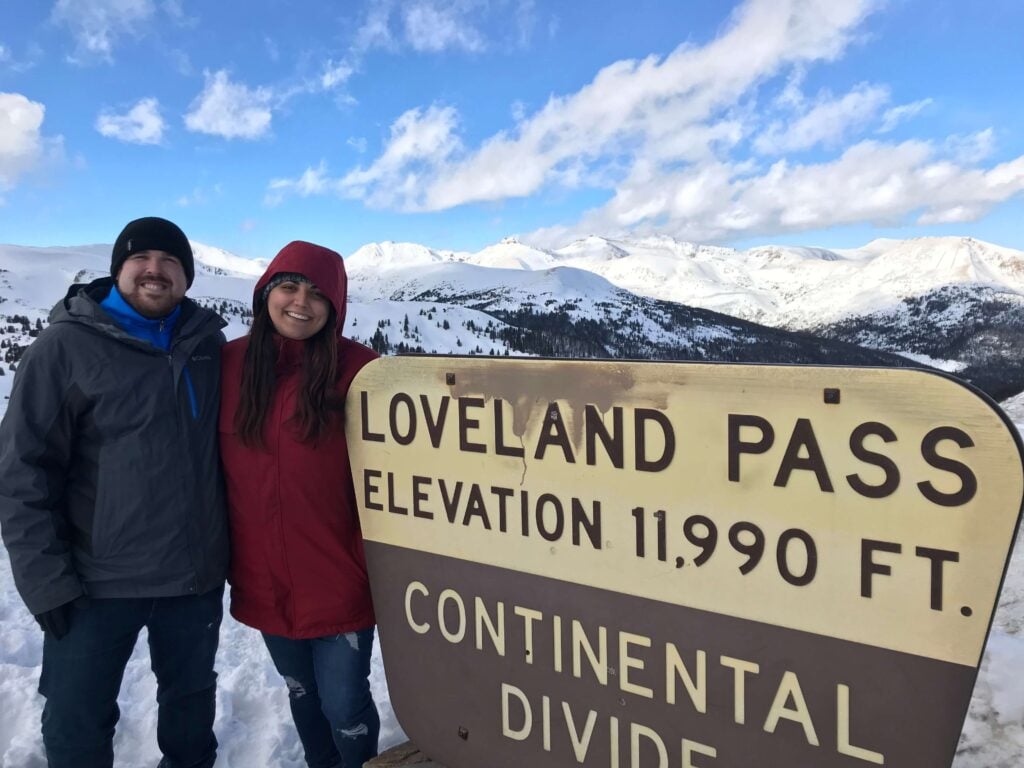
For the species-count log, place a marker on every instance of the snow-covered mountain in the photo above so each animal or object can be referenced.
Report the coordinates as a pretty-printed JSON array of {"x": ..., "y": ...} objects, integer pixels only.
[
  {"x": 953, "y": 303},
  {"x": 782, "y": 286},
  {"x": 506, "y": 299}
]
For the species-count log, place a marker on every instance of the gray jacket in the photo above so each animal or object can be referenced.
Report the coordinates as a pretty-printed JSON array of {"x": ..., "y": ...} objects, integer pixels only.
[{"x": 110, "y": 481}]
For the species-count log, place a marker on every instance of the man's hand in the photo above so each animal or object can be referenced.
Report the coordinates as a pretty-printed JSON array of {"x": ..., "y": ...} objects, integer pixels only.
[{"x": 57, "y": 621}]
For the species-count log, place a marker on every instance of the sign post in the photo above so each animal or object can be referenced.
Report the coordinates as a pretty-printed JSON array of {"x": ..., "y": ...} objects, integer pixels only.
[{"x": 680, "y": 565}]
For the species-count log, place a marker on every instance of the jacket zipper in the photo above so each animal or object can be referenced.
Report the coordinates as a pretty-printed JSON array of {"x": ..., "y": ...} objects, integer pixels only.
[{"x": 194, "y": 553}]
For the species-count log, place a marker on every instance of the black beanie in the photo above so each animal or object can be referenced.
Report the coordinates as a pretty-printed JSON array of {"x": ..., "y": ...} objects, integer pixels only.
[{"x": 152, "y": 234}]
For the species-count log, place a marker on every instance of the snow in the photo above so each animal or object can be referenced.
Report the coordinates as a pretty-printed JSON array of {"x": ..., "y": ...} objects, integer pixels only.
[
  {"x": 796, "y": 287},
  {"x": 512, "y": 254},
  {"x": 389, "y": 281},
  {"x": 253, "y": 725},
  {"x": 214, "y": 259},
  {"x": 785, "y": 286},
  {"x": 388, "y": 255},
  {"x": 950, "y": 366}
]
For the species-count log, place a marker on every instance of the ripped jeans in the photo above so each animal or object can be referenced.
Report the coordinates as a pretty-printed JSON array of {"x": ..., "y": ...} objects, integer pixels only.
[{"x": 329, "y": 693}]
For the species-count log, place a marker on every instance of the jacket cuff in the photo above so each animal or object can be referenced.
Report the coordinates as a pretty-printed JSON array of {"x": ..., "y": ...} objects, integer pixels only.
[{"x": 53, "y": 595}]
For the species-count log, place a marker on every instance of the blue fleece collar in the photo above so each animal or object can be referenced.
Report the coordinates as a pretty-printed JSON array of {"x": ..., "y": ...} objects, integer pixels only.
[{"x": 157, "y": 331}]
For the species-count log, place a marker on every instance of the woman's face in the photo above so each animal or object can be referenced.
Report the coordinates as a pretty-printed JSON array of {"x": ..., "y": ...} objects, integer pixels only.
[{"x": 297, "y": 310}]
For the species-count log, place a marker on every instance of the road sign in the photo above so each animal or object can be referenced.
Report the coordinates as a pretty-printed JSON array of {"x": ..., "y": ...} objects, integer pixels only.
[{"x": 671, "y": 564}]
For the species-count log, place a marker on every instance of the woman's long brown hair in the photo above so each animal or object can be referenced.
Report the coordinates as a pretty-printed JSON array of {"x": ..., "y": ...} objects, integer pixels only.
[{"x": 317, "y": 405}]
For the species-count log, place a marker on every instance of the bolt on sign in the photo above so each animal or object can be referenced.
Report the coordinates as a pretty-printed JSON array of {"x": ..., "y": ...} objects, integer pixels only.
[{"x": 676, "y": 565}]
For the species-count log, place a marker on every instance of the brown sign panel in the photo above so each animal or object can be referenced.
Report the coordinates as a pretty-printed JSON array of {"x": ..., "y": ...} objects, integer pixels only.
[{"x": 639, "y": 564}]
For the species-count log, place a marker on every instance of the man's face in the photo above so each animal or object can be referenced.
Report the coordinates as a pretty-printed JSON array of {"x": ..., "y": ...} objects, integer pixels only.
[{"x": 152, "y": 282}]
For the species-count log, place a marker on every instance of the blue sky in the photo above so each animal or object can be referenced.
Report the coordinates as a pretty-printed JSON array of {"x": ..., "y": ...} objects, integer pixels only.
[{"x": 454, "y": 123}]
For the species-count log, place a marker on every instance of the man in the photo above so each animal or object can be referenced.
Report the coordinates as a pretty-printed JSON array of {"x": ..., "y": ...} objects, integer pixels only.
[{"x": 111, "y": 499}]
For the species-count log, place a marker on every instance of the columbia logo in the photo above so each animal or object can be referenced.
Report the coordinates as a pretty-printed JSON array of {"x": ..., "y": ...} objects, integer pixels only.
[{"x": 200, "y": 358}]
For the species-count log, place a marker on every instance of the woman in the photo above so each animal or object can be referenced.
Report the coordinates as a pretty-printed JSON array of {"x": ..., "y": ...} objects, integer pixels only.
[{"x": 298, "y": 572}]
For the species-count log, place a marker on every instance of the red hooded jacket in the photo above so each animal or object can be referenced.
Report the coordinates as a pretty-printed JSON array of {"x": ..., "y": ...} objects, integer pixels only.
[{"x": 297, "y": 563}]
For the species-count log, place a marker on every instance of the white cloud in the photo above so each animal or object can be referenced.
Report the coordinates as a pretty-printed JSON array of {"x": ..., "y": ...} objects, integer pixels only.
[
  {"x": 358, "y": 143},
  {"x": 827, "y": 122},
  {"x": 230, "y": 110},
  {"x": 335, "y": 74},
  {"x": 631, "y": 113},
  {"x": 554, "y": 22},
  {"x": 21, "y": 142},
  {"x": 632, "y": 106},
  {"x": 375, "y": 32},
  {"x": 526, "y": 21},
  {"x": 870, "y": 182},
  {"x": 418, "y": 138},
  {"x": 426, "y": 26},
  {"x": 181, "y": 61},
  {"x": 434, "y": 27},
  {"x": 897, "y": 115},
  {"x": 200, "y": 196},
  {"x": 313, "y": 181},
  {"x": 420, "y": 142},
  {"x": 176, "y": 12},
  {"x": 31, "y": 55},
  {"x": 142, "y": 124},
  {"x": 670, "y": 136},
  {"x": 96, "y": 24},
  {"x": 972, "y": 193},
  {"x": 792, "y": 96},
  {"x": 973, "y": 148},
  {"x": 273, "y": 51}
]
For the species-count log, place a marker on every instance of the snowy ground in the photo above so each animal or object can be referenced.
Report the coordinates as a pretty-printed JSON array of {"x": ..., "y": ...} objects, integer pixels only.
[
  {"x": 254, "y": 725},
  {"x": 253, "y": 722}
]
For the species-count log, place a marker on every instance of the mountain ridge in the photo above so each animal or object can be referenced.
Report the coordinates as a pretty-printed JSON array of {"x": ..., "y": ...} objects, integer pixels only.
[{"x": 954, "y": 303}]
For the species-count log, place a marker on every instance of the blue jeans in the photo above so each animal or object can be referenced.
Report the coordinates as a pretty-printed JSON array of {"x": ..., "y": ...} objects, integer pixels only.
[
  {"x": 328, "y": 681},
  {"x": 82, "y": 675}
]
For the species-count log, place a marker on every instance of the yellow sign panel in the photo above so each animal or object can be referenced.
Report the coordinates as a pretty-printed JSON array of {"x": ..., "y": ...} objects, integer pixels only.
[
  {"x": 884, "y": 518},
  {"x": 742, "y": 523}
]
